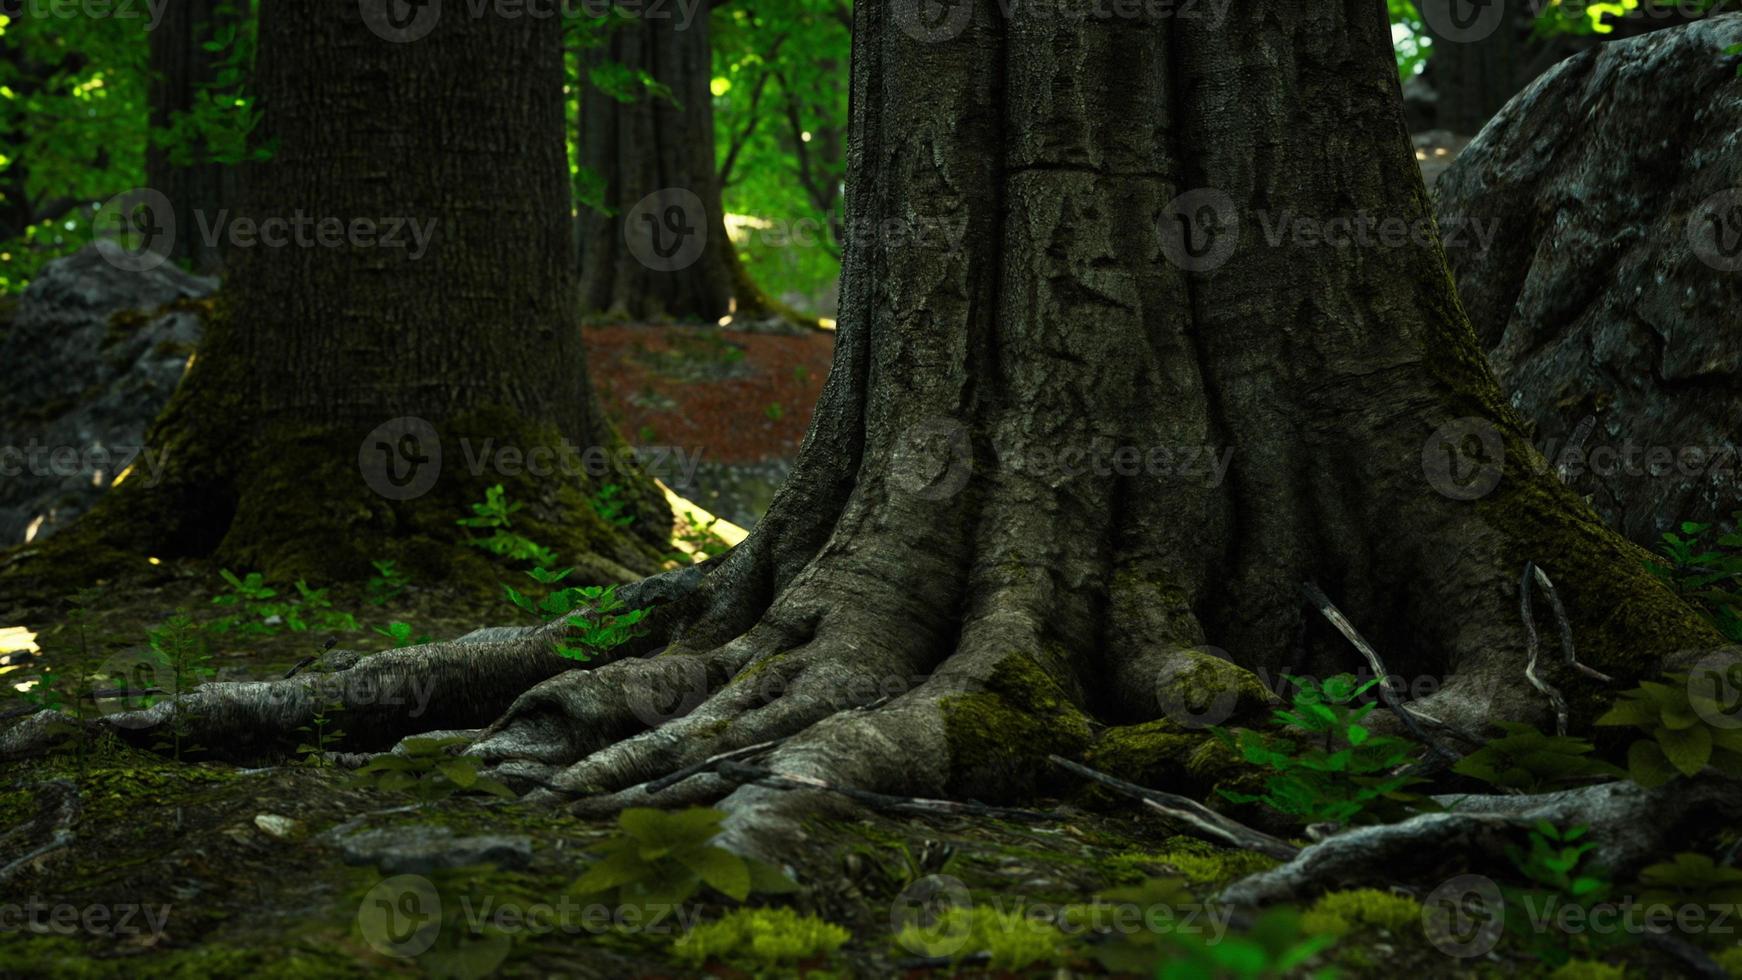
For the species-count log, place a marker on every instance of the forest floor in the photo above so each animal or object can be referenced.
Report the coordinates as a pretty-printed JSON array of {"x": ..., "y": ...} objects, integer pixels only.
[{"x": 198, "y": 868}]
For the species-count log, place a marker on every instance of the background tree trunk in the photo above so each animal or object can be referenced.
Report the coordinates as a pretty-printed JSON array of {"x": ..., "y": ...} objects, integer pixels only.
[
  {"x": 180, "y": 68},
  {"x": 649, "y": 145},
  {"x": 427, "y": 286}
]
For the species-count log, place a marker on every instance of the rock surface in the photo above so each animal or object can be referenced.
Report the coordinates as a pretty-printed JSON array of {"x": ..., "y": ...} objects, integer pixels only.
[
  {"x": 421, "y": 850},
  {"x": 1612, "y": 290},
  {"x": 92, "y": 354}
]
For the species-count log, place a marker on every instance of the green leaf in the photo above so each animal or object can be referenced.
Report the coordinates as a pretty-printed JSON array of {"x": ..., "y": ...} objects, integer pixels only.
[
  {"x": 1647, "y": 765},
  {"x": 724, "y": 871},
  {"x": 1688, "y": 750}
]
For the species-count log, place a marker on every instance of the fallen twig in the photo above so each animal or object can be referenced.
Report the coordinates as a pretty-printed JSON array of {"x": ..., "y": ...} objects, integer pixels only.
[
  {"x": 66, "y": 811},
  {"x": 1409, "y": 718},
  {"x": 1206, "y": 821},
  {"x": 1534, "y": 576},
  {"x": 709, "y": 764},
  {"x": 739, "y": 772}
]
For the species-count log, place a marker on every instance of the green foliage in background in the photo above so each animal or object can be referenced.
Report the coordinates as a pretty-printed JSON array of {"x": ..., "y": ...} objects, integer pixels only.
[{"x": 780, "y": 76}]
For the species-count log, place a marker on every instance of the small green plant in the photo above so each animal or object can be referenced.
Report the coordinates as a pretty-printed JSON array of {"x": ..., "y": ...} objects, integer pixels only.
[
  {"x": 387, "y": 584},
  {"x": 1679, "y": 740},
  {"x": 400, "y": 634},
  {"x": 1116, "y": 946},
  {"x": 496, "y": 515},
  {"x": 701, "y": 538},
  {"x": 1691, "y": 879},
  {"x": 1526, "y": 760},
  {"x": 427, "y": 771},
  {"x": 658, "y": 860},
  {"x": 600, "y": 624},
  {"x": 609, "y": 504},
  {"x": 322, "y": 733},
  {"x": 1341, "y": 772},
  {"x": 774, "y": 412},
  {"x": 1560, "y": 878},
  {"x": 250, "y": 595},
  {"x": 69, "y": 691},
  {"x": 1011, "y": 940},
  {"x": 179, "y": 646},
  {"x": 313, "y": 608},
  {"x": 1275, "y": 946},
  {"x": 760, "y": 940},
  {"x": 1705, "y": 568}
]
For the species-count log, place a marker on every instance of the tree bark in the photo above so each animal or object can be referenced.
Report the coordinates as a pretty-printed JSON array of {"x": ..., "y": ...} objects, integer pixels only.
[
  {"x": 669, "y": 257},
  {"x": 180, "y": 69},
  {"x": 400, "y": 307}
]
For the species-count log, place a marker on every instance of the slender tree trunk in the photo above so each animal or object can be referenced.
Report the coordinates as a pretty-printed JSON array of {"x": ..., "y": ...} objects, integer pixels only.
[
  {"x": 400, "y": 307},
  {"x": 664, "y": 252},
  {"x": 180, "y": 68}
]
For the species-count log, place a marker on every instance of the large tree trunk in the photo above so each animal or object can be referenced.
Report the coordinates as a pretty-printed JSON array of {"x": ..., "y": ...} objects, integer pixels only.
[
  {"x": 423, "y": 307},
  {"x": 935, "y": 601},
  {"x": 180, "y": 68}
]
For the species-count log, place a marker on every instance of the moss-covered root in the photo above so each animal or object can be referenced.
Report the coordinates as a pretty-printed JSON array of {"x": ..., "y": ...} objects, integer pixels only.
[{"x": 1630, "y": 825}]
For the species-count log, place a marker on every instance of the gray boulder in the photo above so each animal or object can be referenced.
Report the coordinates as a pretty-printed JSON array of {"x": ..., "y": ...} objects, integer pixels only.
[
  {"x": 1610, "y": 296},
  {"x": 91, "y": 355}
]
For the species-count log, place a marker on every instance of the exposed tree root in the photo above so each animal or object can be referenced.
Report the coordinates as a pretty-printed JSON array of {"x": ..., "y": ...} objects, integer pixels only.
[{"x": 1631, "y": 826}]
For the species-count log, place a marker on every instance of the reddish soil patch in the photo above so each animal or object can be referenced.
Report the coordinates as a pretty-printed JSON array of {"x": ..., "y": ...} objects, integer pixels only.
[{"x": 738, "y": 397}]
